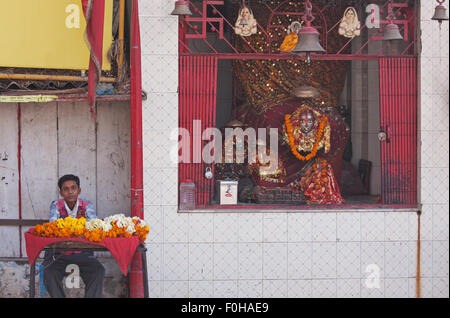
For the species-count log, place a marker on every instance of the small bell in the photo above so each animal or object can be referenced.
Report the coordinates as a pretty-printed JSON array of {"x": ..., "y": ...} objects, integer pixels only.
[
  {"x": 440, "y": 14},
  {"x": 391, "y": 32},
  {"x": 181, "y": 8}
]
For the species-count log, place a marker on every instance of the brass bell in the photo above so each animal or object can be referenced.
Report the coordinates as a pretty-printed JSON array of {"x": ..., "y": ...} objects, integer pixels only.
[
  {"x": 181, "y": 8},
  {"x": 391, "y": 32},
  {"x": 440, "y": 14},
  {"x": 308, "y": 41},
  {"x": 305, "y": 92}
]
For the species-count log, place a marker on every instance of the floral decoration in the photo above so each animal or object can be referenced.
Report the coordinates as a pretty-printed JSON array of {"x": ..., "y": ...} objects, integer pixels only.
[
  {"x": 290, "y": 131},
  {"x": 94, "y": 230},
  {"x": 321, "y": 178}
]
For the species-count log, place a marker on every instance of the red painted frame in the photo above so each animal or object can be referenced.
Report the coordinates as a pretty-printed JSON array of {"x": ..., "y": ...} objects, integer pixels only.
[
  {"x": 19, "y": 169},
  {"x": 137, "y": 175},
  {"x": 402, "y": 150},
  {"x": 398, "y": 119},
  {"x": 197, "y": 101},
  {"x": 287, "y": 208}
]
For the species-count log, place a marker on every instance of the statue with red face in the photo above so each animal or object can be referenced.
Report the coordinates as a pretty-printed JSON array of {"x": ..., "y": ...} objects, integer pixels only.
[{"x": 310, "y": 152}]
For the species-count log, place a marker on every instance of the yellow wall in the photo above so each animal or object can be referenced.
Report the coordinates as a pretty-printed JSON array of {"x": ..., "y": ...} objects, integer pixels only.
[{"x": 48, "y": 34}]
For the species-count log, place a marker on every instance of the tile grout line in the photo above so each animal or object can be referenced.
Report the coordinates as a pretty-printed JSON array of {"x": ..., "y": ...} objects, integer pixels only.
[
  {"x": 262, "y": 256},
  {"x": 337, "y": 255}
]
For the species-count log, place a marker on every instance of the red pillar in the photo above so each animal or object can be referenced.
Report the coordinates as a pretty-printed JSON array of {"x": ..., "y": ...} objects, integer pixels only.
[{"x": 137, "y": 198}]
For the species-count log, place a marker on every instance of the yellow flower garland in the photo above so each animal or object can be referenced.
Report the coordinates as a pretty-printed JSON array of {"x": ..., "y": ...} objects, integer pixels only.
[{"x": 71, "y": 227}]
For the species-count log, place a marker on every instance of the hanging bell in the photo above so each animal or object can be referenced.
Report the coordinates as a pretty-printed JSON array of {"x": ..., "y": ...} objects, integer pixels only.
[
  {"x": 440, "y": 14},
  {"x": 308, "y": 41},
  {"x": 181, "y": 8},
  {"x": 391, "y": 32}
]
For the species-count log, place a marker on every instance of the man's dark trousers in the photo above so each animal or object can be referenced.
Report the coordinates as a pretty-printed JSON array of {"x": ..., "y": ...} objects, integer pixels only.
[{"x": 92, "y": 273}]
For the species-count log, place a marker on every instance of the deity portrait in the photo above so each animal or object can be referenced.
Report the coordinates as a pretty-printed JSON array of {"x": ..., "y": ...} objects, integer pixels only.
[
  {"x": 246, "y": 24},
  {"x": 350, "y": 25}
]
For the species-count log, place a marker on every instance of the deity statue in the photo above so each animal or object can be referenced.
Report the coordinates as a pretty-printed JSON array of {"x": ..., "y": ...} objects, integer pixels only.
[
  {"x": 246, "y": 24},
  {"x": 313, "y": 139},
  {"x": 350, "y": 25},
  {"x": 267, "y": 88},
  {"x": 307, "y": 124},
  {"x": 307, "y": 131}
]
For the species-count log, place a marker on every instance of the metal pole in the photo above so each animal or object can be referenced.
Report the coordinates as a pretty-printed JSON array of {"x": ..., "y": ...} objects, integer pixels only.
[
  {"x": 137, "y": 200},
  {"x": 144, "y": 269},
  {"x": 19, "y": 170},
  {"x": 32, "y": 280}
]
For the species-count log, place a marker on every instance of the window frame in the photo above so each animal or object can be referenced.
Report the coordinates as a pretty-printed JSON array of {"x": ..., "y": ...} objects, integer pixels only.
[{"x": 185, "y": 24}]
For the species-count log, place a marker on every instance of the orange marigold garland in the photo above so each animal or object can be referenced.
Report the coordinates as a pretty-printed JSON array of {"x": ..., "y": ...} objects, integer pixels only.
[
  {"x": 321, "y": 180},
  {"x": 95, "y": 230},
  {"x": 290, "y": 132}
]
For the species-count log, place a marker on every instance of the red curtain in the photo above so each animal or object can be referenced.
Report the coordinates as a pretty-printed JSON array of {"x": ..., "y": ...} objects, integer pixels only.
[
  {"x": 197, "y": 101},
  {"x": 398, "y": 119}
]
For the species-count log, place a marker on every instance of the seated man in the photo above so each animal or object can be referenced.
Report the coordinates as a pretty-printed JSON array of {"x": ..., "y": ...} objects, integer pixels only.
[{"x": 91, "y": 270}]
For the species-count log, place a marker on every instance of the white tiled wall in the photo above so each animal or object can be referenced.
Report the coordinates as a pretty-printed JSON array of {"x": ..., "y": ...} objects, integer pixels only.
[
  {"x": 286, "y": 254},
  {"x": 434, "y": 153}
]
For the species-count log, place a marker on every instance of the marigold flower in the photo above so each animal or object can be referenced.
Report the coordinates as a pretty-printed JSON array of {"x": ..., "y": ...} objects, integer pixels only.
[
  {"x": 319, "y": 135},
  {"x": 95, "y": 230}
]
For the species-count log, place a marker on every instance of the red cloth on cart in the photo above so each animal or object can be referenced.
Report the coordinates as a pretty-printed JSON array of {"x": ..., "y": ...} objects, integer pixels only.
[{"x": 121, "y": 248}]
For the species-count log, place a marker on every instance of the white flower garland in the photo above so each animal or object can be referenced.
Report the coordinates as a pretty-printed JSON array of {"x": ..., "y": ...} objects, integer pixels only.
[{"x": 120, "y": 220}]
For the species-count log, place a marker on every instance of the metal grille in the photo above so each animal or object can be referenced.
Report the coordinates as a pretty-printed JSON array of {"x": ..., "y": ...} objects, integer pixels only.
[
  {"x": 211, "y": 28},
  {"x": 197, "y": 101},
  {"x": 398, "y": 114}
]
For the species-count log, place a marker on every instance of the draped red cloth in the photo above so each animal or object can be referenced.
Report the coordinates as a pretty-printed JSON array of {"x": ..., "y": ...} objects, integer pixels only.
[
  {"x": 328, "y": 193},
  {"x": 94, "y": 13},
  {"x": 122, "y": 248}
]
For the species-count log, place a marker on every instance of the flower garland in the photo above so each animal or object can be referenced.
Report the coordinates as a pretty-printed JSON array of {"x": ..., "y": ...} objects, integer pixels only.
[
  {"x": 320, "y": 180},
  {"x": 290, "y": 131},
  {"x": 95, "y": 230}
]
